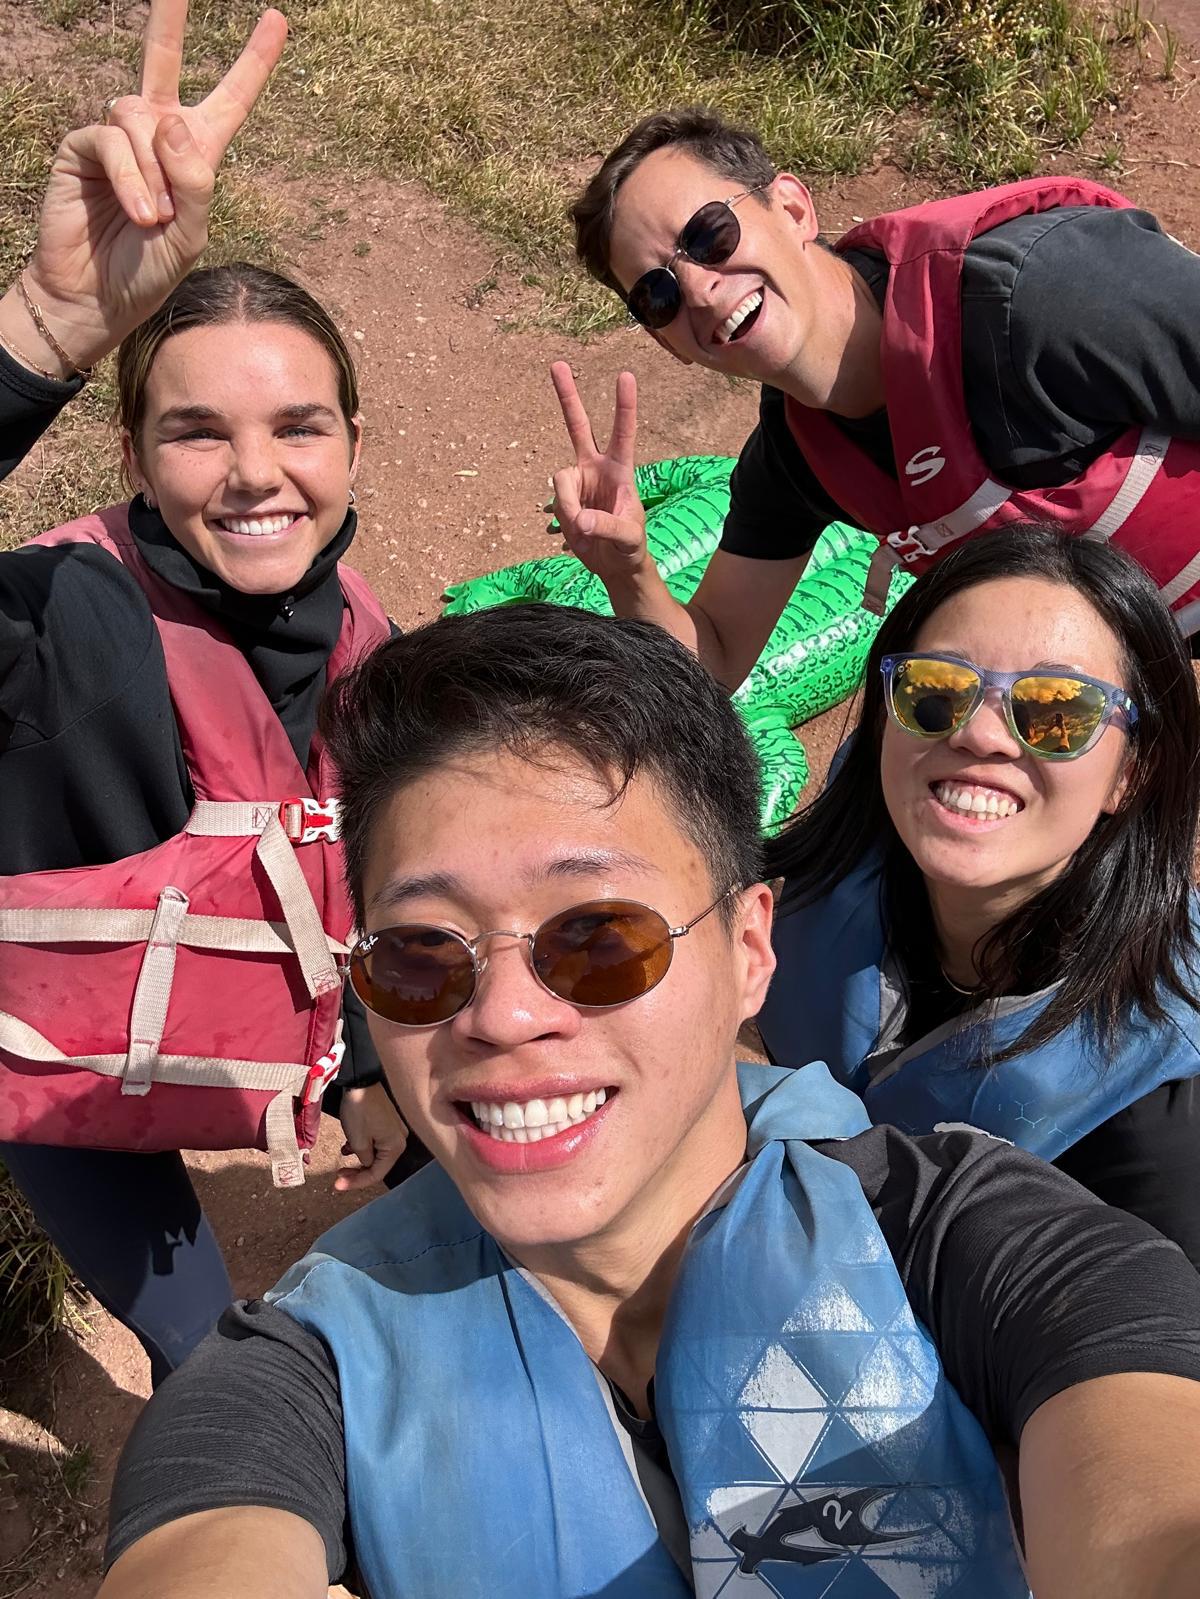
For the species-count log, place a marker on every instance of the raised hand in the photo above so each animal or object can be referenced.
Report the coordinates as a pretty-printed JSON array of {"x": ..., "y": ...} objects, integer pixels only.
[
  {"x": 125, "y": 216},
  {"x": 595, "y": 500},
  {"x": 375, "y": 1135}
]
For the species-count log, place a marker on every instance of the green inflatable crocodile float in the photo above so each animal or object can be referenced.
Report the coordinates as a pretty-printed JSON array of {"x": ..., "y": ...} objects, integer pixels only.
[{"x": 813, "y": 659}]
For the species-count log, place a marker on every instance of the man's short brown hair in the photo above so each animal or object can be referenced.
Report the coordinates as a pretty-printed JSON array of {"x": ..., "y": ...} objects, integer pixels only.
[{"x": 735, "y": 153}]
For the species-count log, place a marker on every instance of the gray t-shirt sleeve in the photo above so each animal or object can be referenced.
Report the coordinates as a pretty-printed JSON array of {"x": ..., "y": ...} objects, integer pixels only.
[{"x": 253, "y": 1417}]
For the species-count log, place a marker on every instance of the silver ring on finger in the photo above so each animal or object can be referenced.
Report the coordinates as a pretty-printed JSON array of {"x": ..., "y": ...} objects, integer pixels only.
[{"x": 108, "y": 106}]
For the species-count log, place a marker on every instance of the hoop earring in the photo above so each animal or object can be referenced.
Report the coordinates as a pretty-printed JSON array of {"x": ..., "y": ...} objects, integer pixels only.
[
  {"x": 150, "y": 501},
  {"x": 353, "y": 496}
]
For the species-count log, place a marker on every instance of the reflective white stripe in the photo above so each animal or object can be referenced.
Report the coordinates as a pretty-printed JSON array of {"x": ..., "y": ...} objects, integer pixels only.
[
  {"x": 1178, "y": 586},
  {"x": 152, "y": 996},
  {"x": 1143, "y": 469}
]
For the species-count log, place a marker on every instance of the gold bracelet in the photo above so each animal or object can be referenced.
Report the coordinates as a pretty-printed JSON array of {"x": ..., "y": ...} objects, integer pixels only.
[
  {"x": 22, "y": 359},
  {"x": 39, "y": 320}
]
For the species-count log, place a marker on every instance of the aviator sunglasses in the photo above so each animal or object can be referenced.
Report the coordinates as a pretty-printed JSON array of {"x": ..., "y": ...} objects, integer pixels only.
[
  {"x": 708, "y": 237},
  {"x": 602, "y": 953},
  {"x": 1053, "y": 714}
]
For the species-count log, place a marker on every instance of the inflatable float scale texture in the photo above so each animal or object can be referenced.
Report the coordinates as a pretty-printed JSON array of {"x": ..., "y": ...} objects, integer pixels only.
[{"x": 813, "y": 659}]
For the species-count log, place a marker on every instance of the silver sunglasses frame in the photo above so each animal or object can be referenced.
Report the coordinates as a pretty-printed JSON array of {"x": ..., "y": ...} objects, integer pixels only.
[{"x": 364, "y": 945}]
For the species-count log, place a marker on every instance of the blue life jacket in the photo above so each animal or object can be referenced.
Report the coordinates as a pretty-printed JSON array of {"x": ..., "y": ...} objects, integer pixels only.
[
  {"x": 837, "y": 997},
  {"x": 814, "y": 1438}
]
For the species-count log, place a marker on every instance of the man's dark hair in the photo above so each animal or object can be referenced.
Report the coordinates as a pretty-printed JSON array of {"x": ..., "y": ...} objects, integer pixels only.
[
  {"x": 1115, "y": 928},
  {"x": 734, "y": 153},
  {"x": 623, "y": 697}
]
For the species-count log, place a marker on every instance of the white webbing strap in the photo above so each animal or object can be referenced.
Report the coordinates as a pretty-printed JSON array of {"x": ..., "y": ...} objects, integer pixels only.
[
  {"x": 877, "y": 587},
  {"x": 230, "y": 819},
  {"x": 1143, "y": 469},
  {"x": 970, "y": 515},
  {"x": 196, "y": 1071},
  {"x": 228, "y": 934},
  {"x": 287, "y": 1164},
  {"x": 927, "y": 538},
  {"x": 152, "y": 995},
  {"x": 215, "y": 819},
  {"x": 204, "y": 1071}
]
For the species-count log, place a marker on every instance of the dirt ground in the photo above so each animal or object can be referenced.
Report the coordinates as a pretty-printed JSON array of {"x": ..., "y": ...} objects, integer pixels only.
[{"x": 462, "y": 434}]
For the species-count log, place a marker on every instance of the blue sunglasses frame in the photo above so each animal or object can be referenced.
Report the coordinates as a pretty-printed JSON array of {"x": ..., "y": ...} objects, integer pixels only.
[{"x": 1118, "y": 706}]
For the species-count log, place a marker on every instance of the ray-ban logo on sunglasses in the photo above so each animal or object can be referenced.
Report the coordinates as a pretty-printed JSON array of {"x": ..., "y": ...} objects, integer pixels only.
[{"x": 925, "y": 464}]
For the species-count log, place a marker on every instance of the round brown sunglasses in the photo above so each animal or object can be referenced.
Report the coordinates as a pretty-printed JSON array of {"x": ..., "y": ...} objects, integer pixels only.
[{"x": 602, "y": 953}]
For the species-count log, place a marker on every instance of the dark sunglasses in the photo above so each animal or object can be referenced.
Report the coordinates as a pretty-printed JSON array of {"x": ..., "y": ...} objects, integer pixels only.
[
  {"x": 602, "y": 953},
  {"x": 708, "y": 237},
  {"x": 1056, "y": 715}
]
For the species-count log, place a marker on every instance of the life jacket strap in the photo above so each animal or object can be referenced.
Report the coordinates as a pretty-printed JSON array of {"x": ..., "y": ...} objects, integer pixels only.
[
  {"x": 152, "y": 996},
  {"x": 228, "y": 934},
  {"x": 1143, "y": 469},
  {"x": 240, "y": 819},
  {"x": 288, "y": 1078}
]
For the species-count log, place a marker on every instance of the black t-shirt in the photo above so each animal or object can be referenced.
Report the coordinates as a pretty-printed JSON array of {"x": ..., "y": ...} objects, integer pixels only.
[
  {"x": 1077, "y": 324},
  {"x": 91, "y": 766},
  {"x": 1027, "y": 1285},
  {"x": 28, "y": 405}
]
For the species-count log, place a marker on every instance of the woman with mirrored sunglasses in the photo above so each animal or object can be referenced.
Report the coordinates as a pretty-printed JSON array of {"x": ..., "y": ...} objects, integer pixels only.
[{"x": 987, "y": 916}]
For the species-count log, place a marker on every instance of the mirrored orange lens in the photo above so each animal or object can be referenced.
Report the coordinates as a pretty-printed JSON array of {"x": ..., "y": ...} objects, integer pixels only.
[
  {"x": 414, "y": 975},
  {"x": 931, "y": 697},
  {"x": 1056, "y": 715},
  {"x": 602, "y": 953}
]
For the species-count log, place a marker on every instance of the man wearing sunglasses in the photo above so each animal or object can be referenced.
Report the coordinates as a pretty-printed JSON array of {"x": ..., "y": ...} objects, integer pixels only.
[
  {"x": 653, "y": 1325},
  {"x": 1029, "y": 354}
]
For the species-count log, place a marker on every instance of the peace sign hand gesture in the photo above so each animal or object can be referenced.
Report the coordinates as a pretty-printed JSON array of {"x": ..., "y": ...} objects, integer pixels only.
[
  {"x": 595, "y": 500},
  {"x": 125, "y": 216}
]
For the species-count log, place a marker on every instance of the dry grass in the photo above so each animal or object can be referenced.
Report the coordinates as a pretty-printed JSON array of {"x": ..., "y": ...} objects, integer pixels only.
[
  {"x": 504, "y": 111},
  {"x": 40, "y": 1294}
]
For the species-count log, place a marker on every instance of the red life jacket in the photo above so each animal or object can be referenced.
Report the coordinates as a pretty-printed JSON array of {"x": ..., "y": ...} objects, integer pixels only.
[
  {"x": 1143, "y": 492},
  {"x": 189, "y": 997}
]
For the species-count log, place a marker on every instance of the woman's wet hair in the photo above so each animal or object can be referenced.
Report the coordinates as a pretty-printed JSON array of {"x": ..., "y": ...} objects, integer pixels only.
[
  {"x": 1114, "y": 929},
  {"x": 622, "y": 698},
  {"x": 215, "y": 297}
]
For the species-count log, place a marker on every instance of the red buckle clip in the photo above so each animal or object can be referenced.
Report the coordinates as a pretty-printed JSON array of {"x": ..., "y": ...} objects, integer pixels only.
[
  {"x": 306, "y": 821},
  {"x": 322, "y": 1074}
]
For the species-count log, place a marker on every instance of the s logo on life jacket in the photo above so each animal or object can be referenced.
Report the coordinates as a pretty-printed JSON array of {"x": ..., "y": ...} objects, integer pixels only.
[
  {"x": 924, "y": 465},
  {"x": 832, "y": 1526}
]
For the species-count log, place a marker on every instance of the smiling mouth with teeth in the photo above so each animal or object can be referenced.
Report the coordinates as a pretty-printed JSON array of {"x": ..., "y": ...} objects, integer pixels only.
[
  {"x": 976, "y": 801},
  {"x": 742, "y": 320},
  {"x": 257, "y": 527},
  {"x": 535, "y": 1119}
]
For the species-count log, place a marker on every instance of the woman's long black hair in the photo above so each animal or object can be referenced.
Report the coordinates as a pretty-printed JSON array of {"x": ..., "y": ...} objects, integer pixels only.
[{"x": 1114, "y": 928}]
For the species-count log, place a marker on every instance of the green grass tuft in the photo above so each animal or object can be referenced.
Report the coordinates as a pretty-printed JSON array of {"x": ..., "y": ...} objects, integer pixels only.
[{"x": 40, "y": 1295}]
